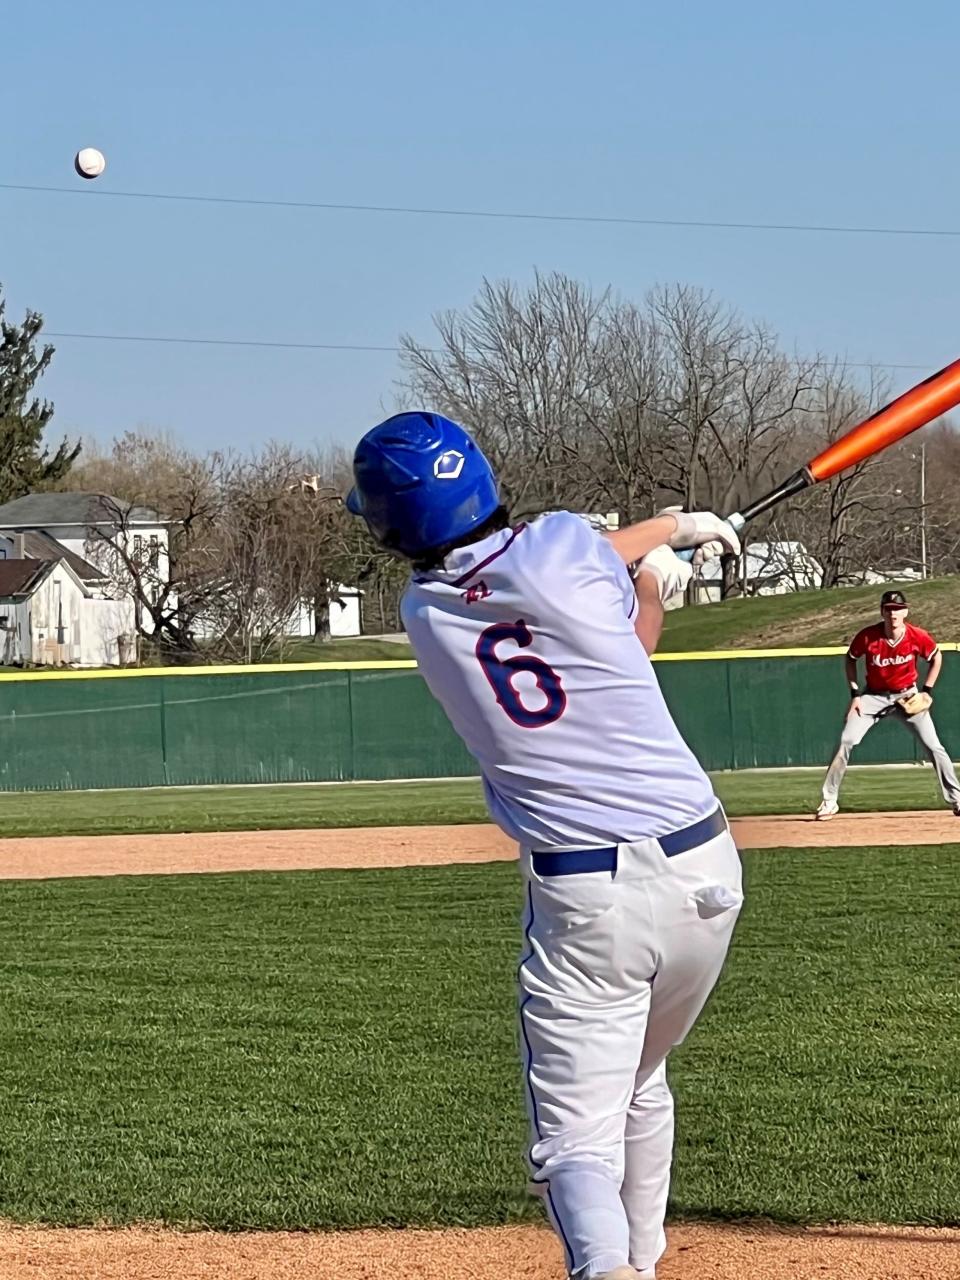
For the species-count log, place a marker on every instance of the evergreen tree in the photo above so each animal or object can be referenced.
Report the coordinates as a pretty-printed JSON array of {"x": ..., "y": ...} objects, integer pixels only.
[{"x": 25, "y": 464}]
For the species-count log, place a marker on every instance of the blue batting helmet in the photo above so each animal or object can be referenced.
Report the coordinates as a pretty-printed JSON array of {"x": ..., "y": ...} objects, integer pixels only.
[{"x": 420, "y": 482}]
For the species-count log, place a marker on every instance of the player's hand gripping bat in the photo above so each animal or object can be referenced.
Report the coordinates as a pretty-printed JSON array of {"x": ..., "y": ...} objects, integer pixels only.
[{"x": 936, "y": 395}]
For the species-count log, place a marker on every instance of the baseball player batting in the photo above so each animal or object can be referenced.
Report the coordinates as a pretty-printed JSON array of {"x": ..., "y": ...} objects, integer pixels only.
[
  {"x": 535, "y": 638},
  {"x": 890, "y": 649}
]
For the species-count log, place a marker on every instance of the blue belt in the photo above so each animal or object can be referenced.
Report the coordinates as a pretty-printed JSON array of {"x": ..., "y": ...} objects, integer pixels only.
[{"x": 571, "y": 862}]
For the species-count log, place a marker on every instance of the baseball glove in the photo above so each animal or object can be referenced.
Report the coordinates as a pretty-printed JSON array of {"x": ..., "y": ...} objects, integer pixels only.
[{"x": 915, "y": 703}]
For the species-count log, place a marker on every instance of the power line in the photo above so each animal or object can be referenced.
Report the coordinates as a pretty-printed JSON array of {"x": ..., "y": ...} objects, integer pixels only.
[
  {"x": 499, "y": 214},
  {"x": 221, "y": 342},
  {"x": 347, "y": 346}
]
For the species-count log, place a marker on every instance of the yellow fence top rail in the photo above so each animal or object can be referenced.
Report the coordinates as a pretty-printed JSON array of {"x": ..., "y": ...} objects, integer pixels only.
[
  {"x": 279, "y": 668},
  {"x": 264, "y": 668}
]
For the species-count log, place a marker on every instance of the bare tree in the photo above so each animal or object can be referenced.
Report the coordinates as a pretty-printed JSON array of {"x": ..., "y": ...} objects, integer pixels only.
[
  {"x": 255, "y": 541},
  {"x": 938, "y": 455},
  {"x": 846, "y": 524},
  {"x": 703, "y": 363},
  {"x": 516, "y": 369},
  {"x": 586, "y": 401},
  {"x": 273, "y": 552},
  {"x": 621, "y": 442},
  {"x": 344, "y": 554},
  {"x": 144, "y": 473}
]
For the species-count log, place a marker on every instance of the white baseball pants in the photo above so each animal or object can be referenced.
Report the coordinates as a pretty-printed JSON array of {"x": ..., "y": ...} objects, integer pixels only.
[{"x": 616, "y": 971}]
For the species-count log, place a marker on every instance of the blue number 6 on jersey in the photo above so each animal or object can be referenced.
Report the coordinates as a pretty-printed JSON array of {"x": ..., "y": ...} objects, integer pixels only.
[{"x": 501, "y": 672}]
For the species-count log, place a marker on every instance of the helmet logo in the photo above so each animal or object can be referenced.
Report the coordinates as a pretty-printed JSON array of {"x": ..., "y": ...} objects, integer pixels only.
[{"x": 449, "y": 465}]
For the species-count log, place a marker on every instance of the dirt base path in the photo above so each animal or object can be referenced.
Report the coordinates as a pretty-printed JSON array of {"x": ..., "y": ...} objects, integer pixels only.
[
  {"x": 512, "y": 1253},
  {"x": 508, "y": 1253},
  {"x": 49, "y": 857}
]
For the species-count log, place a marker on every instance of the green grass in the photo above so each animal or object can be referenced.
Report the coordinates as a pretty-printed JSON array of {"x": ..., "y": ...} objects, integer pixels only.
[
  {"x": 302, "y": 649},
  {"x": 337, "y": 1049},
  {"x": 806, "y": 619},
  {"x": 256, "y": 808},
  {"x": 345, "y": 649},
  {"x": 264, "y": 808}
]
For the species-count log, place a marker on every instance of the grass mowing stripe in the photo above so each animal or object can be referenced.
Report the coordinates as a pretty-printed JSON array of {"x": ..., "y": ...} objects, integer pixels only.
[
  {"x": 832, "y": 1049},
  {"x": 337, "y": 1049},
  {"x": 404, "y": 804}
]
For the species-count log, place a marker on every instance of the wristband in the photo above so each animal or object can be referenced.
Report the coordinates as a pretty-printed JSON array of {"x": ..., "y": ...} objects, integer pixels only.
[
  {"x": 855, "y": 692},
  {"x": 927, "y": 688}
]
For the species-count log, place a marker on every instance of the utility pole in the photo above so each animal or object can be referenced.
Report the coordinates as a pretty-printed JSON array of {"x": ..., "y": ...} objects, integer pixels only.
[{"x": 923, "y": 509}]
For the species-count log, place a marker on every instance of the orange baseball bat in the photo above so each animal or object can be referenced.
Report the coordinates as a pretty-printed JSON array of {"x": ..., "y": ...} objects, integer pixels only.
[{"x": 936, "y": 395}]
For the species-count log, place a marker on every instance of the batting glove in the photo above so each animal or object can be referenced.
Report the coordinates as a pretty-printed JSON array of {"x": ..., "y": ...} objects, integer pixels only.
[
  {"x": 671, "y": 572},
  {"x": 709, "y": 533}
]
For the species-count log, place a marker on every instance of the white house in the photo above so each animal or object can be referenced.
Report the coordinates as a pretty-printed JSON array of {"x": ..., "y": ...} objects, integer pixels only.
[
  {"x": 766, "y": 569},
  {"x": 50, "y": 617},
  {"x": 344, "y": 614},
  {"x": 874, "y": 577},
  {"x": 603, "y": 522},
  {"x": 89, "y": 530}
]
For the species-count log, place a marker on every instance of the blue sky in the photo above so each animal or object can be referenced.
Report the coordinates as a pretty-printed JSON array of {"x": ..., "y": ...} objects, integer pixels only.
[{"x": 822, "y": 113}]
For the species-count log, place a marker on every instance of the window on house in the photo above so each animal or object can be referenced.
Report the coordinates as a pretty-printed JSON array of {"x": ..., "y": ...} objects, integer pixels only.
[
  {"x": 137, "y": 549},
  {"x": 154, "y": 551}
]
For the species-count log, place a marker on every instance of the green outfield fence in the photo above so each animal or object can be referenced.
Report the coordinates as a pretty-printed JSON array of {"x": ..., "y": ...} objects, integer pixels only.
[{"x": 361, "y": 721}]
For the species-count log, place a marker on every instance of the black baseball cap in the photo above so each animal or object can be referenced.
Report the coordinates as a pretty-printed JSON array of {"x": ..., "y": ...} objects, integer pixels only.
[{"x": 893, "y": 600}]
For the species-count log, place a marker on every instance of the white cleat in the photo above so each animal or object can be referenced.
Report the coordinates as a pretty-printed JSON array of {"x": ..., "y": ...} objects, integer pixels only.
[
  {"x": 828, "y": 809},
  {"x": 625, "y": 1273}
]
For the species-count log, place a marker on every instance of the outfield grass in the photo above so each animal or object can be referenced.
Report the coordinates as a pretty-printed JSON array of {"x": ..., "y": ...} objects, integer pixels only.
[
  {"x": 802, "y": 619},
  {"x": 345, "y": 649},
  {"x": 265, "y": 808},
  {"x": 337, "y": 1049}
]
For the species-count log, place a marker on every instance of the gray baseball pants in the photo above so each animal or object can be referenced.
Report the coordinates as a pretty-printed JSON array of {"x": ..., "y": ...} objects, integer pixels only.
[{"x": 856, "y": 728}]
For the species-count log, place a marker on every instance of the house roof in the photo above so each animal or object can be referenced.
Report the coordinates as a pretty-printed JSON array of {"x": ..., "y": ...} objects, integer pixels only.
[
  {"x": 47, "y": 510},
  {"x": 22, "y": 577},
  {"x": 38, "y": 545}
]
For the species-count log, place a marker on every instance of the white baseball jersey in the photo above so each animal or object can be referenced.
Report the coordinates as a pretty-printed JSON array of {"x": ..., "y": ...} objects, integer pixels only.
[{"x": 527, "y": 641}]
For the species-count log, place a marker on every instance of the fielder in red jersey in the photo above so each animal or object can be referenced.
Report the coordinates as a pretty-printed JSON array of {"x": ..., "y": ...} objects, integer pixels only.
[
  {"x": 890, "y": 650},
  {"x": 891, "y": 660}
]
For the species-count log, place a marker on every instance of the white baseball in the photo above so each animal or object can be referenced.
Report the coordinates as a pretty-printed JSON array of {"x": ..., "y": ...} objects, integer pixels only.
[{"x": 89, "y": 162}]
